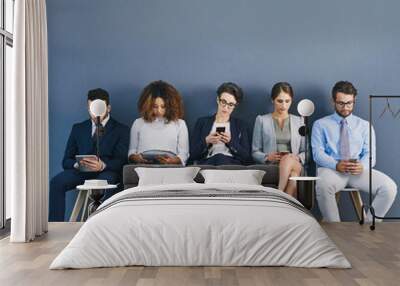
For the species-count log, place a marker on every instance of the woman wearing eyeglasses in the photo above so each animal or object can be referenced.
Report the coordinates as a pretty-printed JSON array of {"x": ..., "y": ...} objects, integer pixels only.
[
  {"x": 222, "y": 139},
  {"x": 276, "y": 139},
  {"x": 160, "y": 135}
]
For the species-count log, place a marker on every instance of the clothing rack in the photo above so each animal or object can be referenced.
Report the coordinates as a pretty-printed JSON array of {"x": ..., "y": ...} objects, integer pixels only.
[{"x": 369, "y": 206}]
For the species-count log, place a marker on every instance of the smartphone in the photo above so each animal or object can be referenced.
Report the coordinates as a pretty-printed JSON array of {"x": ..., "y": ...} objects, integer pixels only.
[
  {"x": 353, "y": 160},
  {"x": 220, "y": 129}
]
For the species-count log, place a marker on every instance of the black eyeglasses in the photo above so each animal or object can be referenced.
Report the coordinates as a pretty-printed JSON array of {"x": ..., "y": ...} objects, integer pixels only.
[
  {"x": 230, "y": 105},
  {"x": 343, "y": 104}
]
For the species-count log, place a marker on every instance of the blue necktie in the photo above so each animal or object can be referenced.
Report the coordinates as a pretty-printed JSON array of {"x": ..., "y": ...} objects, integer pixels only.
[{"x": 344, "y": 140}]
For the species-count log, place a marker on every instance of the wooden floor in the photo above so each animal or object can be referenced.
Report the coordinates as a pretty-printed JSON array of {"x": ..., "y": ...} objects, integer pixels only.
[{"x": 375, "y": 257}]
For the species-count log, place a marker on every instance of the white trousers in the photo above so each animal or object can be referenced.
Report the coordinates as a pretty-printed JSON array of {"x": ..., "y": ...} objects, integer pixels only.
[{"x": 384, "y": 190}]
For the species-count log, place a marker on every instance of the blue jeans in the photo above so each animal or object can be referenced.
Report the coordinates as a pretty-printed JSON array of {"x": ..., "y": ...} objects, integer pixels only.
[{"x": 68, "y": 180}]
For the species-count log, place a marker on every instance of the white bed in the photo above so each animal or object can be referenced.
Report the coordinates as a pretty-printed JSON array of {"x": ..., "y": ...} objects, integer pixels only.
[{"x": 224, "y": 225}]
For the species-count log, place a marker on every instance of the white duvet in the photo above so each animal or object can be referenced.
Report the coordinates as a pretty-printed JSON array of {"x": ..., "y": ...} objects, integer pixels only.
[{"x": 183, "y": 231}]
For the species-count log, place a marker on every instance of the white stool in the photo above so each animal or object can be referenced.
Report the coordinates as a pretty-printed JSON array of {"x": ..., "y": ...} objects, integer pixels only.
[
  {"x": 86, "y": 192},
  {"x": 355, "y": 199}
]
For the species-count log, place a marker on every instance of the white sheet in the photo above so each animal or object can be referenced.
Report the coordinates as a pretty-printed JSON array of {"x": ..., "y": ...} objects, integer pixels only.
[{"x": 200, "y": 231}]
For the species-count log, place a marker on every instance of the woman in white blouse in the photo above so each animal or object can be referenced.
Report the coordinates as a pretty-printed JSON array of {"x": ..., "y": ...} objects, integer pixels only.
[{"x": 160, "y": 127}]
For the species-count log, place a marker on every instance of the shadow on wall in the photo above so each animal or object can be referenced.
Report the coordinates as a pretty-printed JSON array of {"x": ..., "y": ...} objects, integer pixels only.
[
  {"x": 124, "y": 103},
  {"x": 316, "y": 94}
]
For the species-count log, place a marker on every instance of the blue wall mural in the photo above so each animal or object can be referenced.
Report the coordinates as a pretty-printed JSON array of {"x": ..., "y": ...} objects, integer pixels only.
[{"x": 122, "y": 45}]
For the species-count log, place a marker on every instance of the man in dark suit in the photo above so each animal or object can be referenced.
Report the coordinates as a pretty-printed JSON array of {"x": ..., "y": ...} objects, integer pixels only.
[{"x": 113, "y": 143}]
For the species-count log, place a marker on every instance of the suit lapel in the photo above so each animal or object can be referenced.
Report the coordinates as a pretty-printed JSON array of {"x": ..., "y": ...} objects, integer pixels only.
[
  {"x": 234, "y": 129},
  {"x": 86, "y": 137},
  {"x": 107, "y": 129},
  {"x": 270, "y": 123},
  {"x": 208, "y": 125}
]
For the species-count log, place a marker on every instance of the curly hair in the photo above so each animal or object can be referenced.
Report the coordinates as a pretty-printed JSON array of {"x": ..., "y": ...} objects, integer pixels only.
[{"x": 171, "y": 96}]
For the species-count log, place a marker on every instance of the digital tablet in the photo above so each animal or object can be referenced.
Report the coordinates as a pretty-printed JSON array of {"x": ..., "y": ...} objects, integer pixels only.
[
  {"x": 151, "y": 155},
  {"x": 78, "y": 159}
]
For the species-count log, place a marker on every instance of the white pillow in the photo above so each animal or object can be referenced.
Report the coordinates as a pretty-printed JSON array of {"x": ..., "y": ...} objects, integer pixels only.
[
  {"x": 249, "y": 177},
  {"x": 166, "y": 176}
]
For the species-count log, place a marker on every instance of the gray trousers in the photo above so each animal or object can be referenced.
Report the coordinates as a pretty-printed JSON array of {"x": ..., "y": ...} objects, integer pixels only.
[{"x": 384, "y": 190}]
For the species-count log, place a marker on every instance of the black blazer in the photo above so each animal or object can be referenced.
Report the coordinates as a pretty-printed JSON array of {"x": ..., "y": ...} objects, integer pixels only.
[
  {"x": 114, "y": 144},
  {"x": 239, "y": 146}
]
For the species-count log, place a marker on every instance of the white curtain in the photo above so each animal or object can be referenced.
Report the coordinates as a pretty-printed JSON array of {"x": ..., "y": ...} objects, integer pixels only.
[{"x": 27, "y": 124}]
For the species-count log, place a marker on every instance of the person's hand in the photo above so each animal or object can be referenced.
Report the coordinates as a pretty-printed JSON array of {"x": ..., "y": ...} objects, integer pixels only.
[
  {"x": 169, "y": 160},
  {"x": 225, "y": 137},
  {"x": 345, "y": 166},
  {"x": 342, "y": 166},
  {"x": 213, "y": 138},
  {"x": 273, "y": 157},
  {"x": 355, "y": 168},
  {"x": 138, "y": 158},
  {"x": 92, "y": 164}
]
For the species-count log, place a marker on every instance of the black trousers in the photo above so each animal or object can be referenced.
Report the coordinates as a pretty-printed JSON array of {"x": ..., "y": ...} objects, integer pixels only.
[{"x": 219, "y": 159}]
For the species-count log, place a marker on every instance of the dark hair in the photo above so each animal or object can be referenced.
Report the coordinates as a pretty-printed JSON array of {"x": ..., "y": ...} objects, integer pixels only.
[
  {"x": 99, "y": 93},
  {"x": 281, "y": 87},
  {"x": 345, "y": 87},
  {"x": 170, "y": 95},
  {"x": 231, "y": 88}
]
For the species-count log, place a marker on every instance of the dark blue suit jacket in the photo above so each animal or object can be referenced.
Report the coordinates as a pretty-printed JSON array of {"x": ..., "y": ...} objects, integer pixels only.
[
  {"x": 114, "y": 144},
  {"x": 239, "y": 146}
]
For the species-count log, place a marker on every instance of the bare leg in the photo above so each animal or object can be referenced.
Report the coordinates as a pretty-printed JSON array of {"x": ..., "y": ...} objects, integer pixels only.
[
  {"x": 289, "y": 166},
  {"x": 291, "y": 187},
  {"x": 284, "y": 172}
]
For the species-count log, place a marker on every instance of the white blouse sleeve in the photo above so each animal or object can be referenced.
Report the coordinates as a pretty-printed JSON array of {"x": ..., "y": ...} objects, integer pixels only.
[
  {"x": 134, "y": 140},
  {"x": 183, "y": 142}
]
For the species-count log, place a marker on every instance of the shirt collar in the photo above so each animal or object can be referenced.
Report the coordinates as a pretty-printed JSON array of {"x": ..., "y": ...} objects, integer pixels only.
[
  {"x": 104, "y": 122},
  {"x": 339, "y": 118}
]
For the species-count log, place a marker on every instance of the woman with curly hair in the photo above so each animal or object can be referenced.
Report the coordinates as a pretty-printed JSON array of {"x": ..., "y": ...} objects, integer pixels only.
[{"x": 160, "y": 135}]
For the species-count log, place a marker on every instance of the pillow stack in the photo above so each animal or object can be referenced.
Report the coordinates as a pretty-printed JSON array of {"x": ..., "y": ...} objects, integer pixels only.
[{"x": 165, "y": 176}]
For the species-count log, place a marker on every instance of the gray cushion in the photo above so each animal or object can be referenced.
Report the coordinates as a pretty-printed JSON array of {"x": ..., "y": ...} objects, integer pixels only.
[{"x": 270, "y": 179}]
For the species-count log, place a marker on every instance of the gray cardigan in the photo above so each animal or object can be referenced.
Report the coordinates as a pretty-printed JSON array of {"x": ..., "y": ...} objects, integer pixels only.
[{"x": 264, "y": 138}]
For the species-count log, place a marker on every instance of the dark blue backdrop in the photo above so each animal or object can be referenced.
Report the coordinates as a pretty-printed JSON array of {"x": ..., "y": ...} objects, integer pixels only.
[{"x": 122, "y": 45}]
